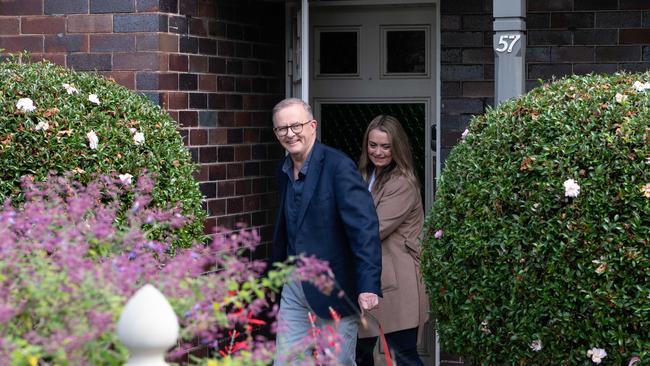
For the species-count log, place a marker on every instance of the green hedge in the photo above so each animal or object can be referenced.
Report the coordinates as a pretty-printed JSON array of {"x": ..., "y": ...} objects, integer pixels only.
[
  {"x": 135, "y": 136},
  {"x": 517, "y": 262}
]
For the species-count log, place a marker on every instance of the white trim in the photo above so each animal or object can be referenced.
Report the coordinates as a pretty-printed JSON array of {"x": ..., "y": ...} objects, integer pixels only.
[
  {"x": 288, "y": 50},
  {"x": 436, "y": 113},
  {"x": 371, "y": 2},
  {"x": 304, "y": 39}
]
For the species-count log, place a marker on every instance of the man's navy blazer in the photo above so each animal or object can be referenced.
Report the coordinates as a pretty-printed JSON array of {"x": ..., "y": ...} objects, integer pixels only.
[{"x": 337, "y": 222}]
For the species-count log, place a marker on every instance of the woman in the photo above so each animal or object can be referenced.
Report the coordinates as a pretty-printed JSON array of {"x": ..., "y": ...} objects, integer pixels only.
[{"x": 387, "y": 166}]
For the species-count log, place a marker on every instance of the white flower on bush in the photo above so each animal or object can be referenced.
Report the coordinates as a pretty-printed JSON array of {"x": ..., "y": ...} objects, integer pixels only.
[
  {"x": 571, "y": 188},
  {"x": 93, "y": 99},
  {"x": 138, "y": 138},
  {"x": 596, "y": 354},
  {"x": 42, "y": 126},
  {"x": 126, "y": 178},
  {"x": 484, "y": 327},
  {"x": 132, "y": 130},
  {"x": 646, "y": 190},
  {"x": 620, "y": 98},
  {"x": 602, "y": 267},
  {"x": 25, "y": 105},
  {"x": 639, "y": 86},
  {"x": 93, "y": 141},
  {"x": 536, "y": 345},
  {"x": 69, "y": 88},
  {"x": 464, "y": 134}
]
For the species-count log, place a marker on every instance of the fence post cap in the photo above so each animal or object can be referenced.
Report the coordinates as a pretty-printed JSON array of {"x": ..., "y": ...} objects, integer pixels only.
[{"x": 147, "y": 326}]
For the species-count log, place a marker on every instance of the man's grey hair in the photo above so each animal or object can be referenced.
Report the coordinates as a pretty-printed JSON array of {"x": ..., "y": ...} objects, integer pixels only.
[{"x": 288, "y": 103}]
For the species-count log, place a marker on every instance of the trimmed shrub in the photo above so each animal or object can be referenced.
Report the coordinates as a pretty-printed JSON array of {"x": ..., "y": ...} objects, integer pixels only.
[
  {"x": 56, "y": 120},
  {"x": 537, "y": 249}
]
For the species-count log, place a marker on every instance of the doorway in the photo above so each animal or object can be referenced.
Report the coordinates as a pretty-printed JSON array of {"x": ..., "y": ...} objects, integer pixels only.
[{"x": 377, "y": 57}]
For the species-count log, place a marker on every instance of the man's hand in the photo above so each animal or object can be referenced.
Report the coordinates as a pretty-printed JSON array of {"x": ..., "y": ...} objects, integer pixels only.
[{"x": 368, "y": 300}]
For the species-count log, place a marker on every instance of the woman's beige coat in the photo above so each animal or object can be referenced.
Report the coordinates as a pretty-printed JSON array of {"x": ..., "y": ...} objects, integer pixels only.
[{"x": 404, "y": 304}]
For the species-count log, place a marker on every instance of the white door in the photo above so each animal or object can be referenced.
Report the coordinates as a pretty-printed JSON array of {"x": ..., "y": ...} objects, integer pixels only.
[{"x": 367, "y": 60}]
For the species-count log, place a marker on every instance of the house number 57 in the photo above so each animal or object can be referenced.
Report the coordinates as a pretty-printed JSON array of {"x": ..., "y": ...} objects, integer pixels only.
[{"x": 507, "y": 42}]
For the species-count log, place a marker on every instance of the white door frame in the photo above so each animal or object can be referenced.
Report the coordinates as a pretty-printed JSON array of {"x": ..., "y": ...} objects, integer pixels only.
[{"x": 298, "y": 73}]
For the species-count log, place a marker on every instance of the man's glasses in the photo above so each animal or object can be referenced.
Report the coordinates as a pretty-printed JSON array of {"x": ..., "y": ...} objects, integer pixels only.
[{"x": 296, "y": 128}]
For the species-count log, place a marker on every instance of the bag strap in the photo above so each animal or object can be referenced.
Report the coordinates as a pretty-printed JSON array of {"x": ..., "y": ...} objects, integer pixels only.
[{"x": 382, "y": 338}]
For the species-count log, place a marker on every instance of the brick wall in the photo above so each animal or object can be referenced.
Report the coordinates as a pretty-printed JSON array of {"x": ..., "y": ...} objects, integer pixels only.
[
  {"x": 216, "y": 66},
  {"x": 564, "y": 37}
]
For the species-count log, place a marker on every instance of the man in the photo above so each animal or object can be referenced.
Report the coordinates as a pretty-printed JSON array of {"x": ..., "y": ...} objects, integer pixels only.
[{"x": 325, "y": 210}]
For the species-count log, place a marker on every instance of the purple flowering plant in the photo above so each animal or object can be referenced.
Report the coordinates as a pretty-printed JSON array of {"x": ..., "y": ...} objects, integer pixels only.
[{"x": 69, "y": 261}]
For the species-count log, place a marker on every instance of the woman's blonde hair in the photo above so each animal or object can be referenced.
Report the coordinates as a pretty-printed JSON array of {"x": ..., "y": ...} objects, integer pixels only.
[{"x": 402, "y": 160}]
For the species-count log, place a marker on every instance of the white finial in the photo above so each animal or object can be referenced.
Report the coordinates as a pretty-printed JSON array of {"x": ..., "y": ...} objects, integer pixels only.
[{"x": 148, "y": 327}]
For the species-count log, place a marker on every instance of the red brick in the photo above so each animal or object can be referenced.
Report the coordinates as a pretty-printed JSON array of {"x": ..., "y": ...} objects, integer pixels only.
[
  {"x": 89, "y": 61},
  {"x": 177, "y": 100},
  {"x": 218, "y": 172},
  {"x": 198, "y": 64},
  {"x": 66, "y": 43},
  {"x": 168, "y": 43},
  {"x": 202, "y": 174},
  {"x": 124, "y": 78},
  {"x": 243, "y": 118},
  {"x": 188, "y": 118},
  {"x": 242, "y": 153},
  {"x": 112, "y": 43},
  {"x": 157, "y": 42},
  {"x": 634, "y": 36},
  {"x": 478, "y": 89},
  {"x": 251, "y": 135},
  {"x": 42, "y": 25},
  {"x": 9, "y": 25},
  {"x": 197, "y": 27},
  {"x": 207, "y": 8},
  {"x": 21, "y": 7},
  {"x": 235, "y": 171},
  {"x": 208, "y": 82},
  {"x": 198, "y": 137},
  {"x": 178, "y": 63},
  {"x": 218, "y": 136},
  {"x": 137, "y": 61},
  {"x": 251, "y": 203},
  {"x": 235, "y": 205},
  {"x": 226, "y": 188},
  {"x": 217, "y": 207},
  {"x": 209, "y": 226},
  {"x": 22, "y": 43},
  {"x": 164, "y": 61},
  {"x": 168, "y": 81},
  {"x": 243, "y": 187},
  {"x": 90, "y": 23}
]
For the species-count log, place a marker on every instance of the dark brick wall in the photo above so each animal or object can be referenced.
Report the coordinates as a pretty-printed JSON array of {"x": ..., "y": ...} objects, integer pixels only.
[
  {"x": 215, "y": 65},
  {"x": 564, "y": 37}
]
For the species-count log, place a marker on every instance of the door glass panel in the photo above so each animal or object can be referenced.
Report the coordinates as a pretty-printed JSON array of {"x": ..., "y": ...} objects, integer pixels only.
[
  {"x": 406, "y": 51},
  {"x": 337, "y": 52},
  {"x": 342, "y": 127}
]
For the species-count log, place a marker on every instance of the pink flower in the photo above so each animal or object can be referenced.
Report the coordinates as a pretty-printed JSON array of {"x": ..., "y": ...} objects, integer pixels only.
[{"x": 438, "y": 234}]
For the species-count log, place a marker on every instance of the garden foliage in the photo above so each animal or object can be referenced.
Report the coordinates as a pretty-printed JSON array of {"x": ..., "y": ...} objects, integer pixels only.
[
  {"x": 538, "y": 243},
  {"x": 56, "y": 120},
  {"x": 66, "y": 272}
]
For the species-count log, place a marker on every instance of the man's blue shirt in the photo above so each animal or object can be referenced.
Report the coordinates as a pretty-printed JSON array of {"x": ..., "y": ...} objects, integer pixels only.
[{"x": 293, "y": 199}]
